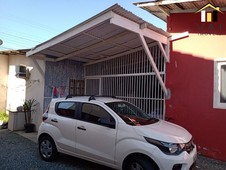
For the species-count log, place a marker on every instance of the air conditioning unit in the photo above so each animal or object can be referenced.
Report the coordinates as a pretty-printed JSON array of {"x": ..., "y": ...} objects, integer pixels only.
[{"x": 22, "y": 72}]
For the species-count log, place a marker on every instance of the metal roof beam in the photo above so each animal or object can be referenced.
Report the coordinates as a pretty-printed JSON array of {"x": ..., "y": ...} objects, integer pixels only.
[
  {"x": 179, "y": 36},
  {"x": 121, "y": 54},
  {"x": 150, "y": 57},
  {"x": 56, "y": 53},
  {"x": 82, "y": 59},
  {"x": 164, "y": 11},
  {"x": 143, "y": 31},
  {"x": 137, "y": 28},
  {"x": 164, "y": 53},
  {"x": 66, "y": 46},
  {"x": 43, "y": 57}
]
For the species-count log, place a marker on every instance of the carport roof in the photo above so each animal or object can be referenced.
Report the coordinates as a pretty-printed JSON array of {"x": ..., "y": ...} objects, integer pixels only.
[
  {"x": 109, "y": 33},
  {"x": 163, "y": 8}
]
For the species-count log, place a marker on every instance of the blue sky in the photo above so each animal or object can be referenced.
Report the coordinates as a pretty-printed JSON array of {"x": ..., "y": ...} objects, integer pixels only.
[{"x": 27, "y": 23}]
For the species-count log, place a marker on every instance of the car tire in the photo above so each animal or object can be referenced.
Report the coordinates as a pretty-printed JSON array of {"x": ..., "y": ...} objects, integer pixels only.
[
  {"x": 47, "y": 149},
  {"x": 140, "y": 163}
]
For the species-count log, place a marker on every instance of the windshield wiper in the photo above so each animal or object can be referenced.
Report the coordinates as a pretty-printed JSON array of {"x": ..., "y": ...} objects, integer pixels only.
[{"x": 154, "y": 120}]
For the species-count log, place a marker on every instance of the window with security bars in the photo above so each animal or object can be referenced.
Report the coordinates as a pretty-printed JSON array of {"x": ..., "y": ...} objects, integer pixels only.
[
  {"x": 76, "y": 87},
  {"x": 223, "y": 84},
  {"x": 220, "y": 84}
]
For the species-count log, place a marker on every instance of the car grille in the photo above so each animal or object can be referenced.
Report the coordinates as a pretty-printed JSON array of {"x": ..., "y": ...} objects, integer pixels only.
[{"x": 189, "y": 146}]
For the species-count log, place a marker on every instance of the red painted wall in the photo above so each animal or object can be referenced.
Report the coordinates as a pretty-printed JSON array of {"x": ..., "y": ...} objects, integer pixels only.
[{"x": 190, "y": 77}]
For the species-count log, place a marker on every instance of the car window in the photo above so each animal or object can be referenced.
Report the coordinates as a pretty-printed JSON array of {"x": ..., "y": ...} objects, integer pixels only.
[
  {"x": 66, "y": 109},
  {"x": 94, "y": 114},
  {"x": 131, "y": 114}
]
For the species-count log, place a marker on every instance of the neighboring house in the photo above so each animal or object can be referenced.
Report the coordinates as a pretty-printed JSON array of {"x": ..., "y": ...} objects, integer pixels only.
[
  {"x": 196, "y": 74},
  {"x": 20, "y": 80},
  {"x": 114, "y": 53},
  {"x": 3, "y": 81}
]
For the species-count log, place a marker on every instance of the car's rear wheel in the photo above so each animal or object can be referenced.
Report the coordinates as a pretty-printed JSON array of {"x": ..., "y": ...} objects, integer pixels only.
[
  {"x": 47, "y": 148},
  {"x": 140, "y": 163}
]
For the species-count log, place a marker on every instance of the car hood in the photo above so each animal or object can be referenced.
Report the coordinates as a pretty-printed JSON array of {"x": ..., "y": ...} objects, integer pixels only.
[{"x": 164, "y": 131}]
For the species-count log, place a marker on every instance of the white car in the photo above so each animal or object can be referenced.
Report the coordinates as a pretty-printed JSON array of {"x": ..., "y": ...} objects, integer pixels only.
[{"x": 114, "y": 133}]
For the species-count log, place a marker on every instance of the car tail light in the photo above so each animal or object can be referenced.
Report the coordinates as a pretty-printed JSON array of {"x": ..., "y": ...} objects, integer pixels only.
[{"x": 45, "y": 115}]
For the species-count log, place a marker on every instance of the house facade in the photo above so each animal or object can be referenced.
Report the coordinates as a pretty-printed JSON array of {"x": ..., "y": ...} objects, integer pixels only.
[
  {"x": 114, "y": 53},
  {"x": 20, "y": 80},
  {"x": 3, "y": 82},
  {"x": 196, "y": 72}
]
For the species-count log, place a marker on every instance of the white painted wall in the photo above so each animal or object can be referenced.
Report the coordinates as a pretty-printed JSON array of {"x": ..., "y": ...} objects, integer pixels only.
[
  {"x": 21, "y": 89},
  {"x": 3, "y": 81},
  {"x": 35, "y": 89},
  {"x": 16, "y": 89}
]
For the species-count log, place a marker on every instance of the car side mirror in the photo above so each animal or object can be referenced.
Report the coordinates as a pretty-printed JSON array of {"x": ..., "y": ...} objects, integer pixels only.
[{"x": 105, "y": 121}]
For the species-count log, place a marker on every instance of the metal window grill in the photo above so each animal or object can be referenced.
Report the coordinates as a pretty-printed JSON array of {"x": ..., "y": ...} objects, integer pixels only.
[
  {"x": 130, "y": 77},
  {"x": 76, "y": 87}
]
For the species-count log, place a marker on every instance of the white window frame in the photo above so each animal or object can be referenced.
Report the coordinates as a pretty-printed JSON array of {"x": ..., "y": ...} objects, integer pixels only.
[{"x": 217, "y": 84}]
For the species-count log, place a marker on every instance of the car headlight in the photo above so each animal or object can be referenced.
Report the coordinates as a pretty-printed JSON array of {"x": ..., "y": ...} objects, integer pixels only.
[{"x": 167, "y": 148}]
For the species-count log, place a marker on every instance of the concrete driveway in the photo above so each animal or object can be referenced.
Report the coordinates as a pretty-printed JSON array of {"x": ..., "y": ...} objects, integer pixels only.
[{"x": 19, "y": 150}]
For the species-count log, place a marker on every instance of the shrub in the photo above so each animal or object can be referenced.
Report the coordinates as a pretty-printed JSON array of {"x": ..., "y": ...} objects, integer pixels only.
[{"x": 3, "y": 116}]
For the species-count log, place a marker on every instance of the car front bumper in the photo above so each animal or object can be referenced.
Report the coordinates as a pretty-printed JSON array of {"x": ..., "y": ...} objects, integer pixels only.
[{"x": 183, "y": 161}]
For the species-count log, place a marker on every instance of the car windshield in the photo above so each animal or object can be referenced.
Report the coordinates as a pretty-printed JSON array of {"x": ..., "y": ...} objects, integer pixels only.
[{"x": 131, "y": 114}]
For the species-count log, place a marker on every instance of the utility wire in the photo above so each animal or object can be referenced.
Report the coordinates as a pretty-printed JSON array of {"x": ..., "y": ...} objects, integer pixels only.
[
  {"x": 30, "y": 23},
  {"x": 24, "y": 34},
  {"x": 15, "y": 36}
]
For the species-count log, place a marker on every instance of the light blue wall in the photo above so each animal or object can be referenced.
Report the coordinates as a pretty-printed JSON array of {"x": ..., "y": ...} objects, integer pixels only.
[{"x": 58, "y": 74}]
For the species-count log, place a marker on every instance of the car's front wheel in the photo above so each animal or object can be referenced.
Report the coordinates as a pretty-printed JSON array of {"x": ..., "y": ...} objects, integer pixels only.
[
  {"x": 47, "y": 148},
  {"x": 140, "y": 163}
]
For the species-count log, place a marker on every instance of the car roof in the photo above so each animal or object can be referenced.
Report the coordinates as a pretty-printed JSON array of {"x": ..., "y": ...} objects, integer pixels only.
[{"x": 102, "y": 99}]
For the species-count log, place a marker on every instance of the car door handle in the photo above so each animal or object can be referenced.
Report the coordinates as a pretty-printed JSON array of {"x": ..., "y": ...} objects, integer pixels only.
[
  {"x": 54, "y": 120},
  {"x": 81, "y": 128}
]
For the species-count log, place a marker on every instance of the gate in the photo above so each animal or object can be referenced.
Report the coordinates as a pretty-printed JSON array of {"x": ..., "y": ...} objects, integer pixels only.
[{"x": 130, "y": 77}]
